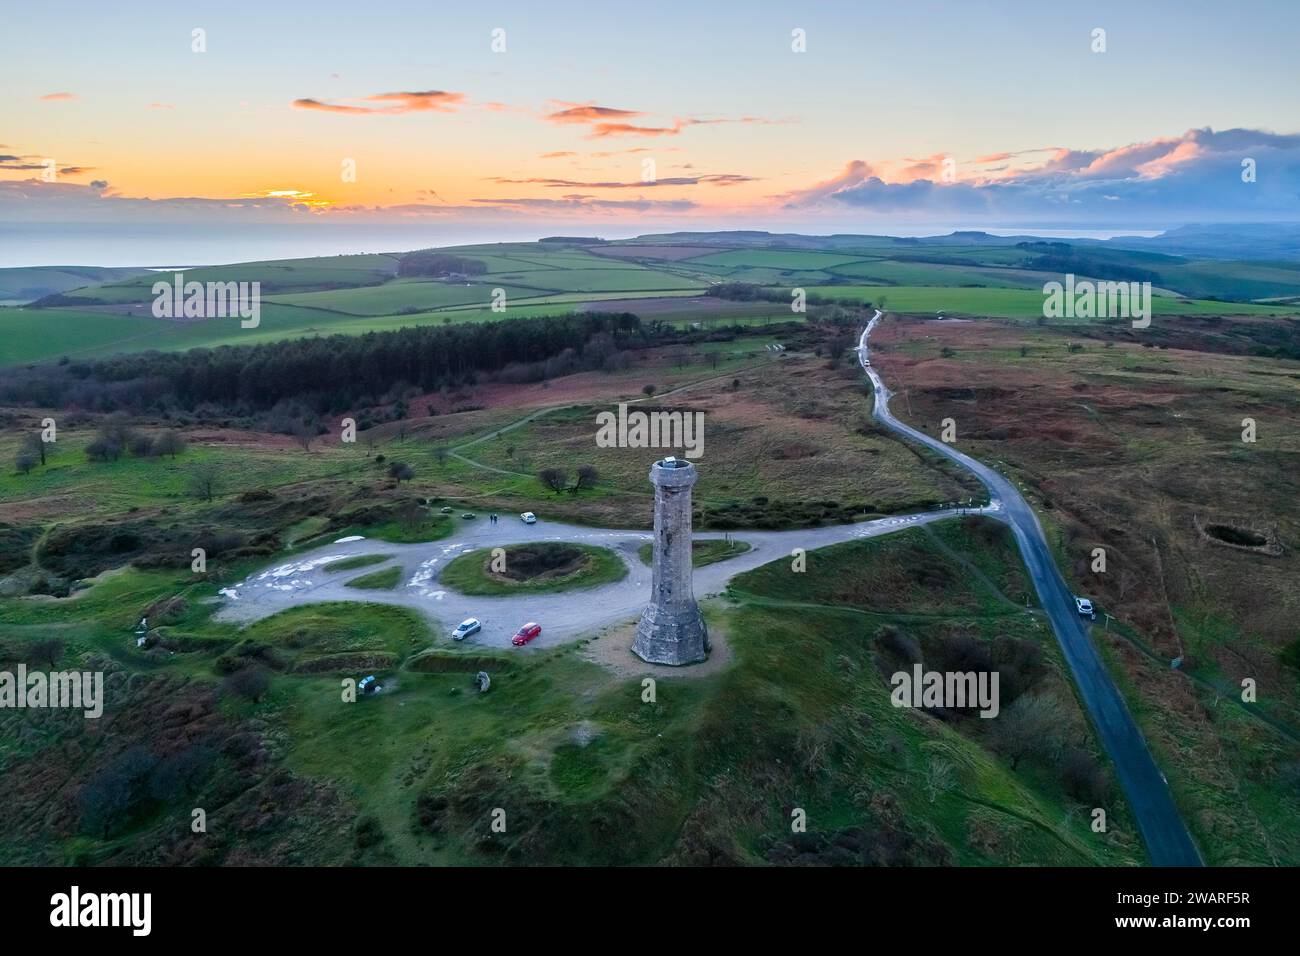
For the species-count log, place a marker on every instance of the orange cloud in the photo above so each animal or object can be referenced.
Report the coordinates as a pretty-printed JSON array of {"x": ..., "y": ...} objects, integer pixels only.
[
  {"x": 579, "y": 113},
  {"x": 604, "y": 154},
  {"x": 436, "y": 100},
  {"x": 424, "y": 101},
  {"x": 608, "y": 121},
  {"x": 712, "y": 179},
  {"x": 58, "y": 97},
  {"x": 601, "y": 130}
]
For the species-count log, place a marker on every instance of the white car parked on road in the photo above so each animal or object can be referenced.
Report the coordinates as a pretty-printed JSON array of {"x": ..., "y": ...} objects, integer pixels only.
[
  {"x": 465, "y": 628},
  {"x": 1084, "y": 607},
  {"x": 528, "y": 518}
]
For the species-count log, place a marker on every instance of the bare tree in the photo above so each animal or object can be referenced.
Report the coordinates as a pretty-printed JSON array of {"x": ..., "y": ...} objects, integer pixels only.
[
  {"x": 587, "y": 478},
  {"x": 206, "y": 479},
  {"x": 115, "y": 436},
  {"x": 142, "y": 445},
  {"x": 169, "y": 443},
  {"x": 400, "y": 471},
  {"x": 33, "y": 446},
  {"x": 557, "y": 479},
  {"x": 1028, "y": 728},
  {"x": 305, "y": 433},
  {"x": 410, "y": 516}
]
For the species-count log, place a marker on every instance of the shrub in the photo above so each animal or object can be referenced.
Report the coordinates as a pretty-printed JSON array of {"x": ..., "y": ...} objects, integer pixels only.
[
  {"x": 170, "y": 443},
  {"x": 251, "y": 683}
]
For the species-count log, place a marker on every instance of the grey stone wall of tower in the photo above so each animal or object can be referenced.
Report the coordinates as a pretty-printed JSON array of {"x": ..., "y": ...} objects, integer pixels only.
[{"x": 671, "y": 629}]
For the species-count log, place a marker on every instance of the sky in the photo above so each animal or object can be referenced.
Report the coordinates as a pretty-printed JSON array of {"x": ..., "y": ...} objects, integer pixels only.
[{"x": 183, "y": 129}]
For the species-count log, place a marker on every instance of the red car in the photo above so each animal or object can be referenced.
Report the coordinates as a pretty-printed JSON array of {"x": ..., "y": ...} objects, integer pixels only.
[{"x": 526, "y": 634}]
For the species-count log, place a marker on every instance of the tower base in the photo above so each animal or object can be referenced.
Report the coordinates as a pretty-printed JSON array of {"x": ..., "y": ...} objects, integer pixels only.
[{"x": 673, "y": 636}]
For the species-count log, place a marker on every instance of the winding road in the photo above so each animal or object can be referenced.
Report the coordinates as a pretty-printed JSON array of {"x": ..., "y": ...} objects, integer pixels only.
[{"x": 1167, "y": 840}]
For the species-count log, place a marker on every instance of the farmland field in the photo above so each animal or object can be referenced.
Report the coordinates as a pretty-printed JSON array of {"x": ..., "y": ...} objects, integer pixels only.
[
  {"x": 397, "y": 296},
  {"x": 357, "y": 294},
  {"x": 1017, "y": 303},
  {"x": 787, "y": 260}
]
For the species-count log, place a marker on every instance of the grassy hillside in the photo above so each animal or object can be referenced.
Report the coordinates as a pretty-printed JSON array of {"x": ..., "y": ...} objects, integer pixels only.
[
  {"x": 586, "y": 772},
  {"x": 19, "y": 285}
]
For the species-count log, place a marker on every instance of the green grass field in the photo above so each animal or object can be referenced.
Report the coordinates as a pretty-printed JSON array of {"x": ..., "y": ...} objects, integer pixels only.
[
  {"x": 393, "y": 297},
  {"x": 885, "y": 271},
  {"x": 281, "y": 275},
  {"x": 783, "y": 259},
  {"x": 1016, "y": 303},
  {"x": 35, "y": 335},
  {"x": 383, "y": 580}
]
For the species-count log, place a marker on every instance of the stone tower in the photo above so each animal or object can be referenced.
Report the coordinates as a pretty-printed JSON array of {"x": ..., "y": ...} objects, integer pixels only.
[{"x": 671, "y": 630}]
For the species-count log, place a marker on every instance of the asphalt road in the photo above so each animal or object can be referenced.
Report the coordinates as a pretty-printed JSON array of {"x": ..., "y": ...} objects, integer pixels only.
[
  {"x": 1167, "y": 840},
  {"x": 564, "y": 616}
]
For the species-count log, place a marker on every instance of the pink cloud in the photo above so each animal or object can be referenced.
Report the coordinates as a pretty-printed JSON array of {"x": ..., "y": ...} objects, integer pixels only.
[
  {"x": 854, "y": 173},
  {"x": 424, "y": 101},
  {"x": 588, "y": 113}
]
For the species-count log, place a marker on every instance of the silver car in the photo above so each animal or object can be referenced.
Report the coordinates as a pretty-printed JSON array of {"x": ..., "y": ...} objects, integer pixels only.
[{"x": 465, "y": 628}]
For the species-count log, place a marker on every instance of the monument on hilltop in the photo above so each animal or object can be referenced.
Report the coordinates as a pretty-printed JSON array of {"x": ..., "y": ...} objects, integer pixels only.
[{"x": 671, "y": 630}]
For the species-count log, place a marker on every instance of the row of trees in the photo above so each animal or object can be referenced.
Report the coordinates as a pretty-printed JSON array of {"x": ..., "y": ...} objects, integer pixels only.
[
  {"x": 117, "y": 437},
  {"x": 114, "y": 439},
  {"x": 748, "y": 292},
  {"x": 326, "y": 374}
]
